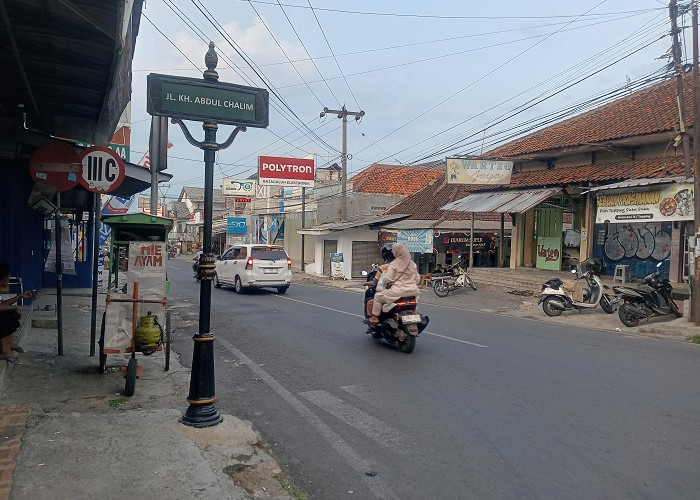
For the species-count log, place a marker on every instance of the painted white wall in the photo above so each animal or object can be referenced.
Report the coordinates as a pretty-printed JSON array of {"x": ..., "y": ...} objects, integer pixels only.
[{"x": 345, "y": 239}]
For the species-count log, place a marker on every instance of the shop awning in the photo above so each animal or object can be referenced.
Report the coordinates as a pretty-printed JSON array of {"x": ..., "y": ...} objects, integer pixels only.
[
  {"x": 372, "y": 221},
  {"x": 632, "y": 183},
  {"x": 501, "y": 201}
]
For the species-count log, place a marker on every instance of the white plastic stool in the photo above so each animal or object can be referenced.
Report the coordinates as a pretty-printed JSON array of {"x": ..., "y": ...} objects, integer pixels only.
[{"x": 620, "y": 273}]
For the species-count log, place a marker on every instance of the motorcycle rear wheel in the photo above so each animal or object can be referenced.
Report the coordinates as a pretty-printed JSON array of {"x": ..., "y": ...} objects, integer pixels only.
[
  {"x": 548, "y": 309},
  {"x": 605, "y": 304},
  {"x": 674, "y": 309},
  {"x": 441, "y": 289},
  {"x": 626, "y": 315},
  {"x": 407, "y": 345}
]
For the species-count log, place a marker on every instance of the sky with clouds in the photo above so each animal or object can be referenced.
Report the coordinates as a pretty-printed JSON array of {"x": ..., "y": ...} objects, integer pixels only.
[{"x": 434, "y": 78}]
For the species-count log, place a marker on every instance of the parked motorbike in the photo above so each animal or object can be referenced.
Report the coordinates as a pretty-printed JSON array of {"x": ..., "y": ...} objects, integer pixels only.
[
  {"x": 586, "y": 292},
  {"x": 651, "y": 298},
  {"x": 399, "y": 323},
  {"x": 456, "y": 277}
]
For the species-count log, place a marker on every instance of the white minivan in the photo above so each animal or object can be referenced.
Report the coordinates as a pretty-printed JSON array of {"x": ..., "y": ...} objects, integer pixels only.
[{"x": 254, "y": 266}]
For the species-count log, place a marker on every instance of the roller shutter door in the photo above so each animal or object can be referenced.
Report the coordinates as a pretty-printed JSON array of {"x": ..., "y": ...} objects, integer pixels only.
[
  {"x": 364, "y": 254},
  {"x": 329, "y": 247}
]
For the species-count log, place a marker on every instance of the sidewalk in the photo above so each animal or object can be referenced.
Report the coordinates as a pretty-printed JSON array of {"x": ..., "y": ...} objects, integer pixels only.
[{"x": 84, "y": 440}]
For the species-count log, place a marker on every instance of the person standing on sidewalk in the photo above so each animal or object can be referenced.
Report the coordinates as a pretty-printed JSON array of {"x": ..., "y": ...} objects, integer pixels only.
[{"x": 9, "y": 318}]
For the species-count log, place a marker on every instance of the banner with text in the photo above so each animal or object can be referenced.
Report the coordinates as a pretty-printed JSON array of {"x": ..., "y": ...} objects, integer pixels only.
[
  {"x": 277, "y": 171},
  {"x": 670, "y": 202},
  {"x": 416, "y": 240},
  {"x": 463, "y": 171}
]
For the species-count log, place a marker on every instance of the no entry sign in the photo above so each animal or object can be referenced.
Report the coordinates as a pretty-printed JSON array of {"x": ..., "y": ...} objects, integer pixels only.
[
  {"x": 102, "y": 169},
  {"x": 57, "y": 164},
  {"x": 277, "y": 171}
]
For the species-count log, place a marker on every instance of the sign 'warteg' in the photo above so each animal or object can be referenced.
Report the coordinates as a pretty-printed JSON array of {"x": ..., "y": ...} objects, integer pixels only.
[{"x": 277, "y": 171}]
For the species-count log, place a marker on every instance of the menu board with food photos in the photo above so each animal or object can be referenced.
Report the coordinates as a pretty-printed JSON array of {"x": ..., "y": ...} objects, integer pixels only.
[{"x": 661, "y": 203}]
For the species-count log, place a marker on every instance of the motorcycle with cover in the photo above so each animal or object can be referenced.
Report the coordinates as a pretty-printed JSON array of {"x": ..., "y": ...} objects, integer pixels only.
[{"x": 653, "y": 297}]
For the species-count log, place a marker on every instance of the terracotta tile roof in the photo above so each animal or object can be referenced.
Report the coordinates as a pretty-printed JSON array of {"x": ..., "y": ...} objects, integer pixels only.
[
  {"x": 394, "y": 179},
  {"x": 647, "y": 111},
  {"x": 425, "y": 204}
]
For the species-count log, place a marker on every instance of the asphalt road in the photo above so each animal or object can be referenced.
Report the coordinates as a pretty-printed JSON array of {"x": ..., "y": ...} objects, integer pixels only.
[{"x": 487, "y": 406}]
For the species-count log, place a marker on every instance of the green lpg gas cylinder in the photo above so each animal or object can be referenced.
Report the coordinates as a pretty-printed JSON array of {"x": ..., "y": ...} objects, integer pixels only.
[{"x": 148, "y": 334}]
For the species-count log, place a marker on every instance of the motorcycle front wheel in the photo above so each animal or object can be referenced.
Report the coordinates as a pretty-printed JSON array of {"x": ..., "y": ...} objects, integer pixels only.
[
  {"x": 627, "y": 316},
  {"x": 549, "y": 309},
  {"x": 441, "y": 289},
  {"x": 605, "y": 304},
  {"x": 471, "y": 284}
]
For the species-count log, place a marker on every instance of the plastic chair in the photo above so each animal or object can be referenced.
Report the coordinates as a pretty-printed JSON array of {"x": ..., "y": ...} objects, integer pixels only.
[{"x": 620, "y": 273}]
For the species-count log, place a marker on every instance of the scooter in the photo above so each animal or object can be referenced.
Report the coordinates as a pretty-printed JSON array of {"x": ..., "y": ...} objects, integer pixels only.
[
  {"x": 457, "y": 278},
  {"x": 557, "y": 296},
  {"x": 399, "y": 323},
  {"x": 651, "y": 298}
]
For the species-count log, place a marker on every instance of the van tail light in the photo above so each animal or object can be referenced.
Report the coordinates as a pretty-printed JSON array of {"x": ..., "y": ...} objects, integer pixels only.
[
  {"x": 249, "y": 263},
  {"x": 289, "y": 263}
]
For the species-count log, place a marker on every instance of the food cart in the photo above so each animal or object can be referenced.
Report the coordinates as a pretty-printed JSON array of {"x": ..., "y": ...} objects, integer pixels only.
[{"x": 136, "y": 317}]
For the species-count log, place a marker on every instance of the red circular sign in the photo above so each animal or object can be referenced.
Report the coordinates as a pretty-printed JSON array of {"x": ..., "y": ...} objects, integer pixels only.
[
  {"x": 57, "y": 164},
  {"x": 102, "y": 169}
]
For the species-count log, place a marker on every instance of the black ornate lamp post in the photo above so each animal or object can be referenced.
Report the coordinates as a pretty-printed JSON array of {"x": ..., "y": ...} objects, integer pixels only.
[
  {"x": 201, "y": 411},
  {"x": 210, "y": 102}
]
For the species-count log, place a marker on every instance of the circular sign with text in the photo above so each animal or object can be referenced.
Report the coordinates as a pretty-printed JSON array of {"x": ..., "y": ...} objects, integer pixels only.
[
  {"x": 102, "y": 170},
  {"x": 56, "y": 164}
]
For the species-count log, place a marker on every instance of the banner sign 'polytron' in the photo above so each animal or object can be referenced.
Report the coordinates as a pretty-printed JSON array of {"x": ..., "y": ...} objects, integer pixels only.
[
  {"x": 276, "y": 171},
  {"x": 199, "y": 100}
]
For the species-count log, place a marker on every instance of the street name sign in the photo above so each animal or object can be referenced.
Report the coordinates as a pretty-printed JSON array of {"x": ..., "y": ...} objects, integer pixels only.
[{"x": 199, "y": 100}]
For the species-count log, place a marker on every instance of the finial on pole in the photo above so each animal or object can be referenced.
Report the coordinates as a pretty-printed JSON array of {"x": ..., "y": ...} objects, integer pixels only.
[{"x": 211, "y": 60}]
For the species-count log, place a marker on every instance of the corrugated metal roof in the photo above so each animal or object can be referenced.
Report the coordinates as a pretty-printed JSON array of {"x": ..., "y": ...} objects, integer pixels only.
[
  {"x": 501, "y": 201},
  {"x": 328, "y": 227},
  {"x": 639, "y": 182}
]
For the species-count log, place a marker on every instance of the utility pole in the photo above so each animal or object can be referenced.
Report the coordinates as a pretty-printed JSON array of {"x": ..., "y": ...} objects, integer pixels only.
[
  {"x": 676, "y": 52},
  {"x": 343, "y": 114},
  {"x": 695, "y": 279}
]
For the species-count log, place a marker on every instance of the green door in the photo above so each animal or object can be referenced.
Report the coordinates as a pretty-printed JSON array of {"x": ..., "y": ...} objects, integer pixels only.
[{"x": 550, "y": 222}]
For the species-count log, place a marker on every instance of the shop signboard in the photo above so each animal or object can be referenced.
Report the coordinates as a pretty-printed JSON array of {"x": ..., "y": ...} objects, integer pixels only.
[
  {"x": 460, "y": 242},
  {"x": 548, "y": 252},
  {"x": 337, "y": 265},
  {"x": 244, "y": 188},
  {"x": 278, "y": 171},
  {"x": 236, "y": 225},
  {"x": 664, "y": 203},
  {"x": 387, "y": 236},
  {"x": 416, "y": 240},
  {"x": 490, "y": 172}
]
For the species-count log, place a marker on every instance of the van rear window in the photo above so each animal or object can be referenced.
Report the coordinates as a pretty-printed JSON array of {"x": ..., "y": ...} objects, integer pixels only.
[{"x": 262, "y": 253}]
